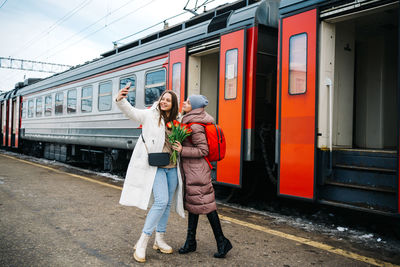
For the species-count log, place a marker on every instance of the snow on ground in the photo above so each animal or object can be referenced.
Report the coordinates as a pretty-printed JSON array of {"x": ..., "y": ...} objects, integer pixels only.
[{"x": 359, "y": 236}]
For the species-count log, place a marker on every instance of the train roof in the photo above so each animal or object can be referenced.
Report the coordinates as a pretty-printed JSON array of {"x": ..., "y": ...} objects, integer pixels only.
[
  {"x": 289, "y": 6},
  {"x": 209, "y": 25}
]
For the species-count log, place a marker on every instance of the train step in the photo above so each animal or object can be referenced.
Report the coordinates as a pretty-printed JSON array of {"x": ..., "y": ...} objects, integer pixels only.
[
  {"x": 365, "y": 177},
  {"x": 359, "y": 196},
  {"x": 362, "y": 168},
  {"x": 361, "y": 179},
  {"x": 381, "y": 160},
  {"x": 362, "y": 187},
  {"x": 356, "y": 206}
]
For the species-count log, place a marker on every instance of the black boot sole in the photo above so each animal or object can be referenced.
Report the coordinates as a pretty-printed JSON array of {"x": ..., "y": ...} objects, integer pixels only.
[{"x": 226, "y": 250}]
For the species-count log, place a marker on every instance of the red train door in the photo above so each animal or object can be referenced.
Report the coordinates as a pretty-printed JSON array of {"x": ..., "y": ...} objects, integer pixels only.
[
  {"x": 17, "y": 120},
  {"x": 10, "y": 121},
  {"x": 4, "y": 122},
  {"x": 1, "y": 122},
  {"x": 231, "y": 105},
  {"x": 177, "y": 73},
  {"x": 398, "y": 101},
  {"x": 297, "y": 105}
]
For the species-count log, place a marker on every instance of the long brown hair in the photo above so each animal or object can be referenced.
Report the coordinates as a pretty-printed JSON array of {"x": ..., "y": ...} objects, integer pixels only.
[{"x": 173, "y": 114}]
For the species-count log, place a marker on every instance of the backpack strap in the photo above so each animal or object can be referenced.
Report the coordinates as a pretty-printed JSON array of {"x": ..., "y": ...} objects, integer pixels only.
[{"x": 204, "y": 125}]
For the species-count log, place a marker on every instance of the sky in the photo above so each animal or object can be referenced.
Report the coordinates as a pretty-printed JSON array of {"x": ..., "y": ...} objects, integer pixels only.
[{"x": 75, "y": 31}]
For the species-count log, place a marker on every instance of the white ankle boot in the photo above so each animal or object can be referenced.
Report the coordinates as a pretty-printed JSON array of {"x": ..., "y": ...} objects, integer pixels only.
[
  {"x": 140, "y": 248},
  {"x": 160, "y": 244}
]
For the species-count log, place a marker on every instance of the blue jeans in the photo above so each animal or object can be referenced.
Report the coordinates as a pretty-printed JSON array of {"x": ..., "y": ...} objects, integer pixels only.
[{"x": 164, "y": 187}]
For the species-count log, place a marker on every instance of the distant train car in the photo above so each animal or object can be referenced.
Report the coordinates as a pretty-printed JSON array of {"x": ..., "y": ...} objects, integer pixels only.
[
  {"x": 9, "y": 118},
  {"x": 338, "y": 103}
]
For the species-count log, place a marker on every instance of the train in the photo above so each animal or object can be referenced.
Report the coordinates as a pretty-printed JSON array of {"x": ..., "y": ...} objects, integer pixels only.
[{"x": 306, "y": 91}]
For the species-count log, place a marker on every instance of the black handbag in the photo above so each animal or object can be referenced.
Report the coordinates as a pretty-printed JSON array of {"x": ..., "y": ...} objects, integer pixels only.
[{"x": 157, "y": 159}]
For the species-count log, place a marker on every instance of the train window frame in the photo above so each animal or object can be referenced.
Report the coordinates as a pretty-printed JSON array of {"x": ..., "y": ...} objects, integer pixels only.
[
  {"x": 229, "y": 72},
  {"x": 58, "y": 113},
  {"x": 154, "y": 84},
  {"x": 132, "y": 92},
  {"x": 72, "y": 111},
  {"x": 30, "y": 108},
  {"x": 48, "y": 107},
  {"x": 292, "y": 92},
  {"x": 23, "y": 109},
  {"x": 176, "y": 80},
  {"x": 39, "y": 109},
  {"x": 101, "y": 96},
  {"x": 86, "y": 98}
]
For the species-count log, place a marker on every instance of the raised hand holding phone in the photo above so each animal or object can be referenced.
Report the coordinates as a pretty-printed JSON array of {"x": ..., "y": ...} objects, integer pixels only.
[{"x": 123, "y": 93}]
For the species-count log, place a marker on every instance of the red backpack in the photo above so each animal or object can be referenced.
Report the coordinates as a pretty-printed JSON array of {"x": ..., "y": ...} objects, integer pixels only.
[{"x": 215, "y": 140}]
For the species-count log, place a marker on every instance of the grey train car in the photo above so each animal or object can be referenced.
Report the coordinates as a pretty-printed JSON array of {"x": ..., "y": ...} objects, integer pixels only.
[{"x": 71, "y": 117}]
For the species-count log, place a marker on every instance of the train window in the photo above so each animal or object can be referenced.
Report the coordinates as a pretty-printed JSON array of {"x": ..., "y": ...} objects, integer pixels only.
[
  {"x": 86, "y": 99},
  {"x": 105, "y": 90},
  {"x": 132, "y": 90},
  {"x": 298, "y": 64},
  {"x": 155, "y": 85},
  {"x": 47, "y": 106},
  {"x": 59, "y": 103},
  {"x": 71, "y": 101},
  {"x": 176, "y": 79},
  {"x": 23, "y": 109},
  {"x": 231, "y": 65},
  {"x": 39, "y": 107},
  {"x": 30, "y": 108}
]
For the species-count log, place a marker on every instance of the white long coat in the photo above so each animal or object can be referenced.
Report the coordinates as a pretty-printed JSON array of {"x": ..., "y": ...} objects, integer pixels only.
[{"x": 138, "y": 185}]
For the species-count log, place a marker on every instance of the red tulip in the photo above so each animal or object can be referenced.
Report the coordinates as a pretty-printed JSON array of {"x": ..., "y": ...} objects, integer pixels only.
[{"x": 178, "y": 133}]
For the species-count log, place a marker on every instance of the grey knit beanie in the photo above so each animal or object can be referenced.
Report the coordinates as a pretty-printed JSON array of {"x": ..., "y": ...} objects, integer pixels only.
[{"x": 198, "y": 101}]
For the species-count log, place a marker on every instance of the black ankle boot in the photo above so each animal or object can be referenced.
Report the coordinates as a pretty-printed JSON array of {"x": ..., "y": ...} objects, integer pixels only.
[
  {"x": 223, "y": 243},
  {"x": 190, "y": 244}
]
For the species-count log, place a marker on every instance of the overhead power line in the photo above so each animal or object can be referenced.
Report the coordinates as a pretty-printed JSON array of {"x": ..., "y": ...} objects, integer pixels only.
[
  {"x": 126, "y": 37},
  {"x": 82, "y": 30},
  {"x": 63, "y": 42},
  {"x": 193, "y": 11},
  {"x": 52, "y": 27},
  {"x": 102, "y": 28},
  {"x": 3, "y": 3},
  {"x": 22, "y": 64}
]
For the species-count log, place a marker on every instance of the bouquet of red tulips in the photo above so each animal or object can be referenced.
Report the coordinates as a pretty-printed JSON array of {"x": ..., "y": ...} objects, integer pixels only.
[{"x": 179, "y": 131}]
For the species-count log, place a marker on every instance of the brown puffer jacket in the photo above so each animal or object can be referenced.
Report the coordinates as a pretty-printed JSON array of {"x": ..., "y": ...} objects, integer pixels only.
[{"x": 199, "y": 192}]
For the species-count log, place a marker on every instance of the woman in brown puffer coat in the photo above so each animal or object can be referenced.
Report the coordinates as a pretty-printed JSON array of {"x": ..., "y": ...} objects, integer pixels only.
[{"x": 199, "y": 192}]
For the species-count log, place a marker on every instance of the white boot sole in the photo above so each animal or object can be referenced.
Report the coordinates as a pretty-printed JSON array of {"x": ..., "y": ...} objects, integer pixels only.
[
  {"x": 155, "y": 247},
  {"x": 138, "y": 259}
]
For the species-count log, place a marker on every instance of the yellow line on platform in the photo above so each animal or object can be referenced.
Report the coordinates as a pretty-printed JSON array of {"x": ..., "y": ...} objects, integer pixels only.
[
  {"x": 309, "y": 242},
  {"x": 264, "y": 229},
  {"x": 70, "y": 174}
]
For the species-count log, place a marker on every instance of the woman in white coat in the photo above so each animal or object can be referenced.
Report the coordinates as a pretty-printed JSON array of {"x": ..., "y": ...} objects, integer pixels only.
[{"x": 143, "y": 180}]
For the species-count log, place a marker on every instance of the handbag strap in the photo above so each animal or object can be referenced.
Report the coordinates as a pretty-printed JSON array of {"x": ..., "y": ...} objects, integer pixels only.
[{"x": 144, "y": 142}]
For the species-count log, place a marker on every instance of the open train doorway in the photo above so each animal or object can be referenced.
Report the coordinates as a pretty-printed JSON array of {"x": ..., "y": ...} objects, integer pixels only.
[
  {"x": 203, "y": 76},
  {"x": 358, "y": 108},
  {"x": 359, "y": 63}
]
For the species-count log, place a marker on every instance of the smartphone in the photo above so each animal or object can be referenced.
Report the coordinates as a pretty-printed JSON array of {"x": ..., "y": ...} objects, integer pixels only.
[{"x": 127, "y": 85}]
